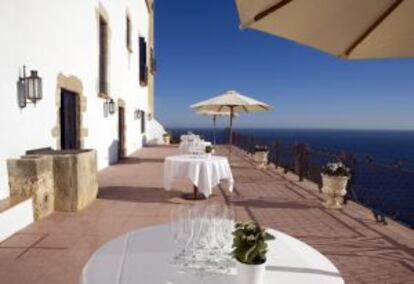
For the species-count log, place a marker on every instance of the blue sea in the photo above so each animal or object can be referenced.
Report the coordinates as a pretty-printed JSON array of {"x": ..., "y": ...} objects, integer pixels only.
[{"x": 378, "y": 185}]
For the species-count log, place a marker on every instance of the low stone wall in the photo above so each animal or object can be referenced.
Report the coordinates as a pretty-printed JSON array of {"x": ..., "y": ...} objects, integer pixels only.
[{"x": 32, "y": 176}]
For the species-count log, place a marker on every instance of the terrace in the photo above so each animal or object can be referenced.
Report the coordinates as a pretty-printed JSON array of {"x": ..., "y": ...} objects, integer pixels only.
[{"x": 131, "y": 195}]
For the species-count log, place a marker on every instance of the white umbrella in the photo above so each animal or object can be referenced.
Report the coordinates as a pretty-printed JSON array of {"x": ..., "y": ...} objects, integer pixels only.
[
  {"x": 231, "y": 102},
  {"x": 353, "y": 29},
  {"x": 214, "y": 114}
]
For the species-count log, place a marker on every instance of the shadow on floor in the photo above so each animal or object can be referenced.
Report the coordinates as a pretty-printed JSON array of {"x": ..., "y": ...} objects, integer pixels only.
[
  {"x": 137, "y": 194},
  {"x": 137, "y": 160},
  {"x": 260, "y": 203}
]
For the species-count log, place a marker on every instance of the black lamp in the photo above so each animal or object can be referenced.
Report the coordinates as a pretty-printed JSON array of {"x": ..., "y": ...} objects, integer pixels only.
[
  {"x": 29, "y": 88},
  {"x": 137, "y": 114},
  {"x": 111, "y": 106},
  {"x": 33, "y": 87}
]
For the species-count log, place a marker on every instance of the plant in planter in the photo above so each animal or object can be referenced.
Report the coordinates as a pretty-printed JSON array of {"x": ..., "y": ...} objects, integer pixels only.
[
  {"x": 261, "y": 148},
  {"x": 261, "y": 153},
  {"x": 209, "y": 150},
  {"x": 335, "y": 177},
  {"x": 167, "y": 138},
  {"x": 249, "y": 249}
]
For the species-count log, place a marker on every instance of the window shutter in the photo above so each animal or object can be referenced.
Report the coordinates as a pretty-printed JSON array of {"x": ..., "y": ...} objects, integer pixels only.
[
  {"x": 103, "y": 56},
  {"x": 142, "y": 61},
  {"x": 143, "y": 121}
]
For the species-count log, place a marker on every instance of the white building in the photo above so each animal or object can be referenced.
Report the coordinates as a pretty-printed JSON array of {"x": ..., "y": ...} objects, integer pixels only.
[{"x": 86, "y": 52}]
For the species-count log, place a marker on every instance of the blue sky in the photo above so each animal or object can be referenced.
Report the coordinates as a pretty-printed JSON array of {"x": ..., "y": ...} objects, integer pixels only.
[{"x": 202, "y": 53}]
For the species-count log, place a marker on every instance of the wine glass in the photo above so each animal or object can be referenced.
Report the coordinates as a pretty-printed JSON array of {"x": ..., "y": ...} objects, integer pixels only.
[{"x": 182, "y": 232}]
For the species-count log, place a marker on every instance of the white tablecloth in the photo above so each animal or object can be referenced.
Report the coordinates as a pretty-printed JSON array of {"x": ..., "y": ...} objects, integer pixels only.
[
  {"x": 143, "y": 256},
  {"x": 196, "y": 146},
  {"x": 203, "y": 171}
]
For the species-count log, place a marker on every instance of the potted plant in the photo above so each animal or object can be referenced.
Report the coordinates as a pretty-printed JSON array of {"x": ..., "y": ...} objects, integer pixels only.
[
  {"x": 209, "y": 150},
  {"x": 167, "y": 138},
  {"x": 335, "y": 177},
  {"x": 261, "y": 153},
  {"x": 249, "y": 249}
]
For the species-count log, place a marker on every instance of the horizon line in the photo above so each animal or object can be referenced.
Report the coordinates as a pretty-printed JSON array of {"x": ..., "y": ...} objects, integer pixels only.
[{"x": 295, "y": 128}]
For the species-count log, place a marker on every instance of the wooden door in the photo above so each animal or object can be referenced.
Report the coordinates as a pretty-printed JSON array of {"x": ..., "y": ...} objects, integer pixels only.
[
  {"x": 68, "y": 120},
  {"x": 121, "y": 132}
]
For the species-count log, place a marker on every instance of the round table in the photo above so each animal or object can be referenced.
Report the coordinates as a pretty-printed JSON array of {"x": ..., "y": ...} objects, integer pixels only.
[
  {"x": 143, "y": 256},
  {"x": 204, "y": 171}
]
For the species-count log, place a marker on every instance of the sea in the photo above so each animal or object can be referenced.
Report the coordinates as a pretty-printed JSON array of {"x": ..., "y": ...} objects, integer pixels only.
[{"x": 379, "y": 185}]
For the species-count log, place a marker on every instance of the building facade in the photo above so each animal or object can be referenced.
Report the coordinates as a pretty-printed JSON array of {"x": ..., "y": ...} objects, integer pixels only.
[{"x": 96, "y": 64}]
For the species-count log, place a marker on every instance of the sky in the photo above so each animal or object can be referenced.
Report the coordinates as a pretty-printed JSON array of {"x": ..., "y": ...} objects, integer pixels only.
[{"x": 201, "y": 53}]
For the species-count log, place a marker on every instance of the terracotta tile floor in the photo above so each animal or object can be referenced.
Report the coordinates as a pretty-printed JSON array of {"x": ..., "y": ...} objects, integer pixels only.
[{"x": 55, "y": 249}]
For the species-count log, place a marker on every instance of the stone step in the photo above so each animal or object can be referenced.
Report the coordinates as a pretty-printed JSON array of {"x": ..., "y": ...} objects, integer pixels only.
[{"x": 15, "y": 214}]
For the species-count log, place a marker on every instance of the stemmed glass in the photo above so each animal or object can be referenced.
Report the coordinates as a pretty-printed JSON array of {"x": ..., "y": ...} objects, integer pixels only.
[
  {"x": 202, "y": 237},
  {"x": 182, "y": 231},
  {"x": 228, "y": 228}
]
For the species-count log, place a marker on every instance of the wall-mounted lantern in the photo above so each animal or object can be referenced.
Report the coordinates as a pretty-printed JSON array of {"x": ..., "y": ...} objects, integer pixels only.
[
  {"x": 109, "y": 107},
  {"x": 137, "y": 114},
  {"x": 29, "y": 88}
]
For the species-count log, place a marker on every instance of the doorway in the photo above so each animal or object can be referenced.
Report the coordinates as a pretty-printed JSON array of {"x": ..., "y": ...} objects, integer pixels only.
[
  {"x": 69, "y": 120},
  {"x": 121, "y": 132}
]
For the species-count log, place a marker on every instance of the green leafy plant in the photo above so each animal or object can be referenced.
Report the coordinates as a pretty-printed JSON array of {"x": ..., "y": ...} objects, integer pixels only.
[
  {"x": 261, "y": 148},
  {"x": 208, "y": 149},
  {"x": 249, "y": 243},
  {"x": 166, "y": 135},
  {"x": 336, "y": 170}
]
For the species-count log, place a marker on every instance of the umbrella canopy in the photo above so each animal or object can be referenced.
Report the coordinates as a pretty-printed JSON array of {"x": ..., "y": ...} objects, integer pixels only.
[
  {"x": 215, "y": 113},
  {"x": 352, "y": 29},
  {"x": 231, "y": 102}
]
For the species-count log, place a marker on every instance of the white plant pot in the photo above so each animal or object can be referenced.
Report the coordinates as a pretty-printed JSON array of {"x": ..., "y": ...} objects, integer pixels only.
[
  {"x": 250, "y": 273},
  {"x": 334, "y": 189},
  {"x": 208, "y": 155},
  {"x": 260, "y": 157},
  {"x": 167, "y": 139}
]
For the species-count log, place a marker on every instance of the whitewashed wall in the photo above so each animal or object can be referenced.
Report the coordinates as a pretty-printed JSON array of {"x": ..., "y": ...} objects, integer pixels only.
[
  {"x": 154, "y": 133},
  {"x": 61, "y": 36}
]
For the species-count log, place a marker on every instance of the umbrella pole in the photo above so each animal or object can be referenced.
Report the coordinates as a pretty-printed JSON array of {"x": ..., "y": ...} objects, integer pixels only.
[
  {"x": 214, "y": 130},
  {"x": 231, "y": 129}
]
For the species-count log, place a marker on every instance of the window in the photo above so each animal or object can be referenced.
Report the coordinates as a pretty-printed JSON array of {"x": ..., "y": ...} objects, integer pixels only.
[
  {"x": 143, "y": 72},
  {"x": 103, "y": 56},
  {"x": 142, "y": 121},
  {"x": 128, "y": 34}
]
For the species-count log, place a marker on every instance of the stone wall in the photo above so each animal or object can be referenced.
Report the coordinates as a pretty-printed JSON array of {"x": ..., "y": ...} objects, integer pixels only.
[
  {"x": 57, "y": 180},
  {"x": 32, "y": 176}
]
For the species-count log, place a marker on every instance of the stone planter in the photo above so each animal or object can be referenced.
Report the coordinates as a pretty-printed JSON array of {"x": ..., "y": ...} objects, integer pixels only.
[
  {"x": 166, "y": 139},
  {"x": 32, "y": 176},
  {"x": 75, "y": 180},
  {"x": 250, "y": 273},
  {"x": 334, "y": 188},
  {"x": 261, "y": 158}
]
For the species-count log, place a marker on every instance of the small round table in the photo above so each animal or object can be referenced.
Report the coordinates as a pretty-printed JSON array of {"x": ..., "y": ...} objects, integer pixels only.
[
  {"x": 143, "y": 256},
  {"x": 204, "y": 171}
]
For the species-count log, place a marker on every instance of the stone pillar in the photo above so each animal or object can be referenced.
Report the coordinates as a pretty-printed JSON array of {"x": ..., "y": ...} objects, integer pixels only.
[{"x": 32, "y": 176}]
